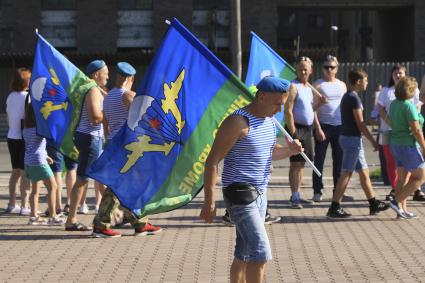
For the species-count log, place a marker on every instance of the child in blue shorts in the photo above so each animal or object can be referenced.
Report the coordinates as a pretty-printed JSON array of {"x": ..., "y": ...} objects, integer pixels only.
[
  {"x": 350, "y": 140},
  {"x": 406, "y": 140},
  {"x": 37, "y": 169}
]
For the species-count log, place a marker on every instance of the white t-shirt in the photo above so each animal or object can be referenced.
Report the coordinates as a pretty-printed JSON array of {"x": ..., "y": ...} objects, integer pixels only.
[
  {"x": 15, "y": 108},
  {"x": 387, "y": 96},
  {"x": 330, "y": 112}
]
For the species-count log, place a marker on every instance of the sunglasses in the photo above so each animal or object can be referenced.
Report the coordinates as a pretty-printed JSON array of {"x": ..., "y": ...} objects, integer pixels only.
[{"x": 329, "y": 67}]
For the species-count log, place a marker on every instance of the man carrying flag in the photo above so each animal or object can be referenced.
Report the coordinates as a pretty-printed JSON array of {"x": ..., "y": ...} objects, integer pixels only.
[
  {"x": 247, "y": 142},
  {"x": 155, "y": 162},
  {"x": 88, "y": 138},
  {"x": 115, "y": 107}
]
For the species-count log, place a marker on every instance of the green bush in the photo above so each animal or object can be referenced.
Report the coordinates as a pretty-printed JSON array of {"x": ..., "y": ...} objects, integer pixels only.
[{"x": 375, "y": 174}]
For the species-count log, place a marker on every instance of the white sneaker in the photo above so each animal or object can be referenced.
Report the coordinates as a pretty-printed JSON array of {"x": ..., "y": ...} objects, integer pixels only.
[
  {"x": 317, "y": 197},
  {"x": 36, "y": 221},
  {"x": 13, "y": 209},
  {"x": 61, "y": 215},
  {"x": 411, "y": 215},
  {"x": 57, "y": 221},
  {"x": 84, "y": 209},
  {"x": 25, "y": 211}
]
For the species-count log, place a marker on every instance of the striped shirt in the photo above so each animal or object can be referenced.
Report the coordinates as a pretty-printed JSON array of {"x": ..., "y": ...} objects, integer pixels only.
[
  {"x": 115, "y": 111},
  {"x": 35, "y": 148},
  {"x": 86, "y": 127},
  {"x": 250, "y": 158}
]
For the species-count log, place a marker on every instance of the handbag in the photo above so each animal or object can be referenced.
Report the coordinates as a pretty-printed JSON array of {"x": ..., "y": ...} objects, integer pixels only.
[{"x": 241, "y": 193}]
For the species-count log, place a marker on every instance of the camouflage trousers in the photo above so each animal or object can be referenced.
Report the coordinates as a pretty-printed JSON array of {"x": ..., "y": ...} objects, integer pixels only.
[{"x": 107, "y": 207}]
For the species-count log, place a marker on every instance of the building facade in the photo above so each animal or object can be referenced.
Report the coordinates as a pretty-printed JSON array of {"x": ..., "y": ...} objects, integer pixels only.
[
  {"x": 131, "y": 30},
  {"x": 359, "y": 30}
]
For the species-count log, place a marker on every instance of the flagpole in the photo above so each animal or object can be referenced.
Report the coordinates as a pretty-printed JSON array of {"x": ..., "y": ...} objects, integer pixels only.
[{"x": 290, "y": 139}]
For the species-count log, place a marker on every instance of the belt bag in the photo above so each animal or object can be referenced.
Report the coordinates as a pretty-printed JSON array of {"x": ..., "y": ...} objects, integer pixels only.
[{"x": 241, "y": 193}]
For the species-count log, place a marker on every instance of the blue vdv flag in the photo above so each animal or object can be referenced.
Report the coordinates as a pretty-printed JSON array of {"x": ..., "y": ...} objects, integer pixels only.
[
  {"x": 57, "y": 91},
  {"x": 155, "y": 162},
  {"x": 264, "y": 61}
]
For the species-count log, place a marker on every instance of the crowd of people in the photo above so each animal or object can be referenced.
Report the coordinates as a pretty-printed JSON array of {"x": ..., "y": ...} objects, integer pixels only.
[
  {"x": 330, "y": 113},
  {"x": 327, "y": 112},
  {"x": 35, "y": 161}
]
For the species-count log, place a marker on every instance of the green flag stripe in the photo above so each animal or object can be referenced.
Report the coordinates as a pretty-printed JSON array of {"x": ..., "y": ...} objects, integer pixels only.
[
  {"x": 288, "y": 73},
  {"x": 76, "y": 91}
]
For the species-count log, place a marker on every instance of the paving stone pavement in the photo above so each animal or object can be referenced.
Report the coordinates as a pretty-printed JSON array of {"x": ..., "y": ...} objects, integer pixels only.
[{"x": 306, "y": 246}]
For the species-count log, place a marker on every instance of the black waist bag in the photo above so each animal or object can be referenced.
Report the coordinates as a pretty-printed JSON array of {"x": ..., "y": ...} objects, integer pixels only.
[{"x": 241, "y": 193}]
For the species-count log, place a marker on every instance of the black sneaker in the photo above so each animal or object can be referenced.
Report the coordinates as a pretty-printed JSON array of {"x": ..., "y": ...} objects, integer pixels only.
[
  {"x": 391, "y": 195},
  {"x": 419, "y": 196},
  {"x": 226, "y": 219},
  {"x": 378, "y": 206},
  {"x": 271, "y": 219},
  {"x": 66, "y": 209},
  {"x": 337, "y": 213}
]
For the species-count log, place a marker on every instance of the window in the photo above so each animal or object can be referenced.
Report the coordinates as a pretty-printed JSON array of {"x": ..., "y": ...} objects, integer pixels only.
[
  {"x": 315, "y": 22},
  {"x": 135, "y": 5},
  {"x": 58, "y": 22},
  {"x": 211, "y": 23},
  {"x": 59, "y": 4},
  {"x": 135, "y": 24}
]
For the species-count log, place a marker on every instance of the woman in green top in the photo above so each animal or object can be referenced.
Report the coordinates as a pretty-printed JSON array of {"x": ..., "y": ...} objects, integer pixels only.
[{"x": 405, "y": 139}]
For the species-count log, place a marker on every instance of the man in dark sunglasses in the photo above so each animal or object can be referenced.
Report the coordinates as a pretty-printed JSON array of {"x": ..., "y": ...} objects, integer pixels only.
[{"x": 328, "y": 130}]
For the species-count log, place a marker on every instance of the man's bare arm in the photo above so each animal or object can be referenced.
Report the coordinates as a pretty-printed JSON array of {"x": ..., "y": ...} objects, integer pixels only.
[
  {"x": 128, "y": 97},
  {"x": 289, "y": 149},
  {"x": 232, "y": 129},
  {"x": 289, "y": 107},
  {"x": 94, "y": 100}
]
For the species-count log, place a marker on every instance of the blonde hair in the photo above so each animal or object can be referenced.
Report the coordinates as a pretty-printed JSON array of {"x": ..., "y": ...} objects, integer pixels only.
[
  {"x": 330, "y": 58},
  {"x": 303, "y": 59},
  {"x": 406, "y": 88}
]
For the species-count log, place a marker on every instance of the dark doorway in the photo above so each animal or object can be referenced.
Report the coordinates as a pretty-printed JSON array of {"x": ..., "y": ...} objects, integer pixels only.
[{"x": 354, "y": 34}]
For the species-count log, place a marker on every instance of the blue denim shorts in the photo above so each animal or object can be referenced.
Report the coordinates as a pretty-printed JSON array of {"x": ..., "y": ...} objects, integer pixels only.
[
  {"x": 407, "y": 156},
  {"x": 353, "y": 158},
  {"x": 89, "y": 150},
  {"x": 252, "y": 243},
  {"x": 58, "y": 159}
]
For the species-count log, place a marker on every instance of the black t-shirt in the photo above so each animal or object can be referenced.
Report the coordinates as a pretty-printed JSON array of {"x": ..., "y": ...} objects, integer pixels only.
[{"x": 349, "y": 102}]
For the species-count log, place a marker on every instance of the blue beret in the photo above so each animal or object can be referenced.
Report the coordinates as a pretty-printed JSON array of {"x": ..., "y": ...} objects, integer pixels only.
[
  {"x": 125, "y": 69},
  {"x": 273, "y": 84},
  {"x": 94, "y": 66}
]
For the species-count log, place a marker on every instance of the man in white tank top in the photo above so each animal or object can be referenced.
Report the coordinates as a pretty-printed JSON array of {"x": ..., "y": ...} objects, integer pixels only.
[{"x": 328, "y": 130}]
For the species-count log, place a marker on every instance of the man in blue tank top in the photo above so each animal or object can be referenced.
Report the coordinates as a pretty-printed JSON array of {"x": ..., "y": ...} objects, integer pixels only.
[
  {"x": 246, "y": 140},
  {"x": 299, "y": 116}
]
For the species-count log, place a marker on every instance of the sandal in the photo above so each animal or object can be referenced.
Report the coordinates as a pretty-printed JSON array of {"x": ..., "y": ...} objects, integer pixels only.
[{"x": 78, "y": 226}]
